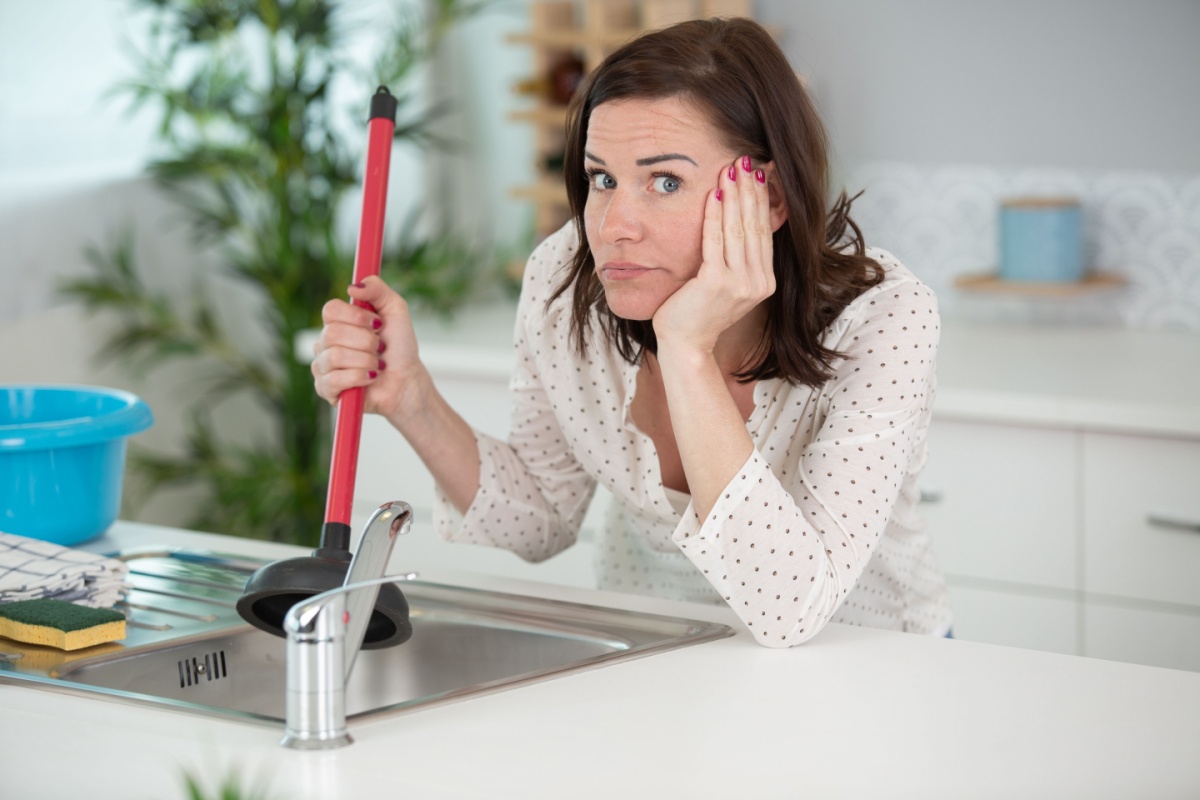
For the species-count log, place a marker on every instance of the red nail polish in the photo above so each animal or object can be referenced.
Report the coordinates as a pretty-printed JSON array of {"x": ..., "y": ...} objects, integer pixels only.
[
  {"x": 382, "y": 346},
  {"x": 732, "y": 173},
  {"x": 718, "y": 195},
  {"x": 377, "y": 323},
  {"x": 762, "y": 176},
  {"x": 359, "y": 285},
  {"x": 372, "y": 374},
  {"x": 747, "y": 164},
  {"x": 382, "y": 365}
]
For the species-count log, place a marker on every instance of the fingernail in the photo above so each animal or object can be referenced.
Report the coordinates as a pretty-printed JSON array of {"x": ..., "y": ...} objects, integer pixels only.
[
  {"x": 382, "y": 346},
  {"x": 377, "y": 323},
  {"x": 359, "y": 285},
  {"x": 762, "y": 176},
  {"x": 382, "y": 364},
  {"x": 372, "y": 374},
  {"x": 718, "y": 195},
  {"x": 747, "y": 165},
  {"x": 732, "y": 173}
]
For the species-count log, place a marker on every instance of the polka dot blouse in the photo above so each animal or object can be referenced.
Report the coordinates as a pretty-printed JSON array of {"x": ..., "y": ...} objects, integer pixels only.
[{"x": 819, "y": 524}]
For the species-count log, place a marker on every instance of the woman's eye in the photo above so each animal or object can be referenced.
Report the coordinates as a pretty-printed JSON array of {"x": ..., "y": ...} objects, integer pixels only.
[
  {"x": 602, "y": 180},
  {"x": 666, "y": 184}
]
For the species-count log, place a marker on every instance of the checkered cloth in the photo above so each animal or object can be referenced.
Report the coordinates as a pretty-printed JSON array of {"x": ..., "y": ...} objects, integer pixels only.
[{"x": 30, "y": 569}]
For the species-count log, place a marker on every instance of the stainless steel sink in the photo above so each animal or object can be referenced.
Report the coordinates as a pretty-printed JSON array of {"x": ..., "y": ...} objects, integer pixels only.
[{"x": 188, "y": 649}]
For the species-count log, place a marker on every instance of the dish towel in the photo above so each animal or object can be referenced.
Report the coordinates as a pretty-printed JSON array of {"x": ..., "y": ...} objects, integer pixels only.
[{"x": 31, "y": 569}]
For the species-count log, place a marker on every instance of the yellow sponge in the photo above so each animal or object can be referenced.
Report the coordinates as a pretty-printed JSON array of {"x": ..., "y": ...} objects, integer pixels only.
[
  {"x": 57, "y": 623},
  {"x": 24, "y": 657}
]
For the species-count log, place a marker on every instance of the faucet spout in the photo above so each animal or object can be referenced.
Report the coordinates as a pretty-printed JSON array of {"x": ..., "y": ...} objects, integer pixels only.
[
  {"x": 370, "y": 561},
  {"x": 326, "y": 631}
]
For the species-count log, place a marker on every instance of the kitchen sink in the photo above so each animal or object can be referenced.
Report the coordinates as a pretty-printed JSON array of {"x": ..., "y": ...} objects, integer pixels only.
[{"x": 187, "y": 648}]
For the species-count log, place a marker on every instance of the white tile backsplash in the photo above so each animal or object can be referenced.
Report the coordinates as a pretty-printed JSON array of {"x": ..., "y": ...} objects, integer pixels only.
[{"x": 941, "y": 221}]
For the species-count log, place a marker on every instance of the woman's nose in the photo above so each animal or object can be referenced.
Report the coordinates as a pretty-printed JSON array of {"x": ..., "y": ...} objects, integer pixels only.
[{"x": 620, "y": 221}]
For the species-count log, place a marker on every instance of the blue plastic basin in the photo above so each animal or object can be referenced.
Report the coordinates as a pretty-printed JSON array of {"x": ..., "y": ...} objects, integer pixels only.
[{"x": 62, "y": 459}]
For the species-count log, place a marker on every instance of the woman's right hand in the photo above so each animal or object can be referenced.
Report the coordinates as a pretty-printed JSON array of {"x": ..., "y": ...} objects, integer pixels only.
[{"x": 373, "y": 349}]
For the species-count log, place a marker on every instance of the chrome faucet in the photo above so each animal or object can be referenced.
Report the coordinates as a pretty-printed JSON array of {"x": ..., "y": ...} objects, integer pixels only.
[{"x": 325, "y": 633}]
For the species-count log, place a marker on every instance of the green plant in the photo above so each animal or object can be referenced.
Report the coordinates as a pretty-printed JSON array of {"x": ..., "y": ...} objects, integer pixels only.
[
  {"x": 256, "y": 158},
  {"x": 231, "y": 788}
]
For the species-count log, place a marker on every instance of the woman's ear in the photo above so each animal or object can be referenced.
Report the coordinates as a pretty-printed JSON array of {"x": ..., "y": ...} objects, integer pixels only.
[{"x": 778, "y": 204}]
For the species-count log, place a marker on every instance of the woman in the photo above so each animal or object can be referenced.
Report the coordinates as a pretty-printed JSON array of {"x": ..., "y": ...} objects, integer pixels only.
[{"x": 708, "y": 343}]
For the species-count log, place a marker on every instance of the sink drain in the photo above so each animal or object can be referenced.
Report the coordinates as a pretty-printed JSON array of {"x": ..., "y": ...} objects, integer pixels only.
[{"x": 211, "y": 668}]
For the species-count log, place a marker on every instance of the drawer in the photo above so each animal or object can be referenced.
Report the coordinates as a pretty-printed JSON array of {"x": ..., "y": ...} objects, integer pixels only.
[
  {"x": 1014, "y": 619},
  {"x": 1141, "y": 636},
  {"x": 1006, "y": 502},
  {"x": 1128, "y": 480}
]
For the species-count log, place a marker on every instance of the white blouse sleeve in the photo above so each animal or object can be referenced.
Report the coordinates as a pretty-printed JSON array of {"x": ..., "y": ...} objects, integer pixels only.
[
  {"x": 784, "y": 561},
  {"x": 533, "y": 493}
]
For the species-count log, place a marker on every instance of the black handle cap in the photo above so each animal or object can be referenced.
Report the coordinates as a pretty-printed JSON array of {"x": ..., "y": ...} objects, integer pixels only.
[{"x": 383, "y": 104}]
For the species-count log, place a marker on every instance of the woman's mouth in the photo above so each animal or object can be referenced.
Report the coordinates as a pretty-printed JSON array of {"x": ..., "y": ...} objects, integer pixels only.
[{"x": 622, "y": 270}]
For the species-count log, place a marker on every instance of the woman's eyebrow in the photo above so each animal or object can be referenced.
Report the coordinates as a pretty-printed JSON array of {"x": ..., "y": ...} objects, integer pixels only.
[{"x": 645, "y": 162}]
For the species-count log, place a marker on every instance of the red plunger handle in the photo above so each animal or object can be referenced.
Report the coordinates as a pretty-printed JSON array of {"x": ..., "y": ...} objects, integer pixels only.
[{"x": 348, "y": 428}]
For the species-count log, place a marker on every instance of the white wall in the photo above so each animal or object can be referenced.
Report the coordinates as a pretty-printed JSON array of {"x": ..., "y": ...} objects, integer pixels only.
[
  {"x": 57, "y": 60},
  {"x": 1076, "y": 84}
]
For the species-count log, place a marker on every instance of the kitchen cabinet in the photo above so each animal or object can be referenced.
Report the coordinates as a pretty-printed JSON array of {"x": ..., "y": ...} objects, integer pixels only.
[
  {"x": 1001, "y": 505},
  {"x": 1142, "y": 516},
  {"x": 1001, "y": 502},
  {"x": 1049, "y": 456},
  {"x": 1015, "y": 615},
  {"x": 1125, "y": 631},
  {"x": 1051, "y": 539},
  {"x": 1141, "y": 503}
]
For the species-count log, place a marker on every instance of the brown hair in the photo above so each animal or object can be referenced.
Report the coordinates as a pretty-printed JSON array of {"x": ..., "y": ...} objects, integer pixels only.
[{"x": 734, "y": 72}]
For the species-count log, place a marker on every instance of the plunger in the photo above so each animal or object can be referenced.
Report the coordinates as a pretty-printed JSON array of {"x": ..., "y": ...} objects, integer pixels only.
[{"x": 276, "y": 587}]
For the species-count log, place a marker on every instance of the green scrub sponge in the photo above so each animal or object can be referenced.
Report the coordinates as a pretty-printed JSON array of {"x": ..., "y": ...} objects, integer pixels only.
[{"x": 57, "y": 623}]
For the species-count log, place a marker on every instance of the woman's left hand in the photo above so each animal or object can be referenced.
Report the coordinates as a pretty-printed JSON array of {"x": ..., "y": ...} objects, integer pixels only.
[{"x": 736, "y": 270}]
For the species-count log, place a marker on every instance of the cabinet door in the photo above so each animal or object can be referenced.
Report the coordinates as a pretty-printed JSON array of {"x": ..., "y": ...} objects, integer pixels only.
[
  {"x": 1015, "y": 619},
  {"x": 1003, "y": 502},
  {"x": 1142, "y": 636},
  {"x": 1133, "y": 485}
]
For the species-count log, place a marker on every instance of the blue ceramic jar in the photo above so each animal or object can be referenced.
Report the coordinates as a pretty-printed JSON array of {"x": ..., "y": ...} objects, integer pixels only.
[{"x": 1041, "y": 239}]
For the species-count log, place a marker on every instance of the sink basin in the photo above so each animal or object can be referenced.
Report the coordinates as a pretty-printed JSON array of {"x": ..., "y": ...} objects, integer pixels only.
[{"x": 187, "y": 648}]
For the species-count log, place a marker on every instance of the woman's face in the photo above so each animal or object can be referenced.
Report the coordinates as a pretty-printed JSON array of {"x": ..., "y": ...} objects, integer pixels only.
[{"x": 650, "y": 165}]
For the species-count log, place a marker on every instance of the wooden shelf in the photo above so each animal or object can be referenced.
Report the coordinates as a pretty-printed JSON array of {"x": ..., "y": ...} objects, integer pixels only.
[
  {"x": 991, "y": 282},
  {"x": 541, "y": 115},
  {"x": 580, "y": 39},
  {"x": 573, "y": 39},
  {"x": 544, "y": 192}
]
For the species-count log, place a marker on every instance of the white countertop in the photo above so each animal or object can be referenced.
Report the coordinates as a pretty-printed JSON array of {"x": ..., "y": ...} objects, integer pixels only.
[
  {"x": 854, "y": 713},
  {"x": 1092, "y": 378},
  {"x": 1107, "y": 379}
]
